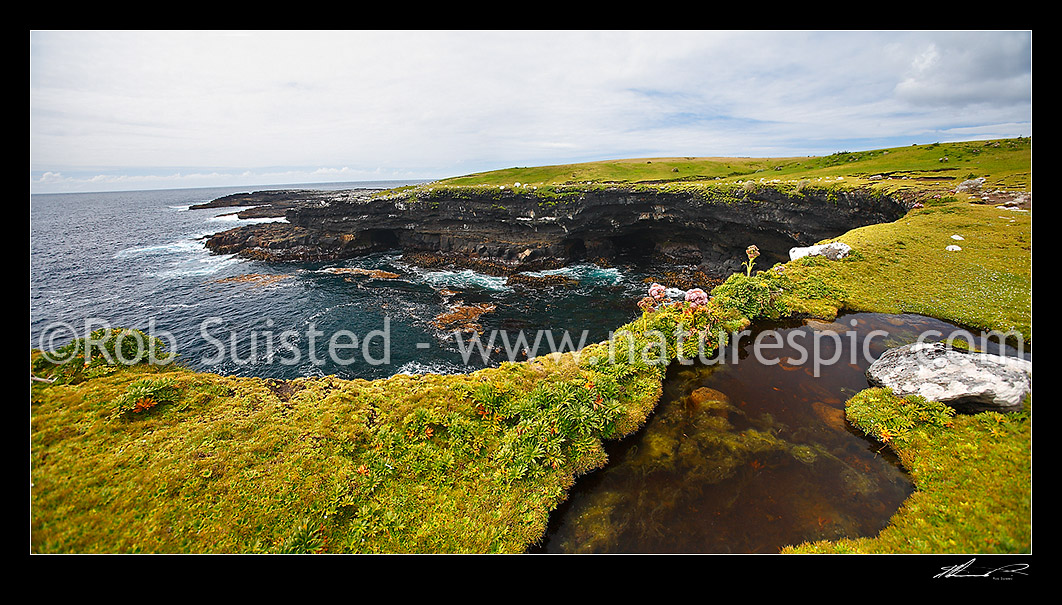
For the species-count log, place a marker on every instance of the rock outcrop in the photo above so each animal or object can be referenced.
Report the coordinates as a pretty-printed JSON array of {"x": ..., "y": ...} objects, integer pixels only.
[
  {"x": 832, "y": 251},
  {"x": 526, "y": 229},
  {"x": 276, "y": 203},
  {"x": 969, "y": 382}
]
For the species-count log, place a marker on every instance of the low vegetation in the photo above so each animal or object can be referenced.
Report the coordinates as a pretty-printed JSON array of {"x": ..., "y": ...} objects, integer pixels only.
[
  {"x": 918, "y": 169},
  {"x": 151, "y": 457}
]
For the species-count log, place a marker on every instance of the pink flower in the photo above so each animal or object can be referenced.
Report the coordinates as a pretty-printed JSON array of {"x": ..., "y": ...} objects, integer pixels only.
[
  {"x": 657, "y": 291},
  {"x": 696, "y": 297}
]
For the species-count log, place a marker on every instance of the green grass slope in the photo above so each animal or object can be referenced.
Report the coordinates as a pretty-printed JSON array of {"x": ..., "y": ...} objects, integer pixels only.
[{"x": 1006, "y": 162}]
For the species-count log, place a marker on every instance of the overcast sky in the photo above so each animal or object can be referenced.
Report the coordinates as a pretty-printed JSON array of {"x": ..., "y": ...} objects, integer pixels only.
[{"x": 119, "y": 110}]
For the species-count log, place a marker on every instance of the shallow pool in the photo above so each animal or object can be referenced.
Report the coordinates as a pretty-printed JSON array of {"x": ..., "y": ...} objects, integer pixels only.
[{"x": 749, "y": 450}]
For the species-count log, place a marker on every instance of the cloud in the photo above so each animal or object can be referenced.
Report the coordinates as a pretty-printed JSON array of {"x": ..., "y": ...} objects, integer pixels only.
[
  {"x": 438, "y": 103},
  {"x": 956, "y": 71}
]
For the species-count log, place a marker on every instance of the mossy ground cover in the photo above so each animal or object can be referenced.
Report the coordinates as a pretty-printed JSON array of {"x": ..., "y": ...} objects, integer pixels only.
[
  {"x": 157, "y": 458},
  {"x": 986, "y": 284},
  {"x": 471, "y": 463},
  {"x": 1007, "y": 164}
]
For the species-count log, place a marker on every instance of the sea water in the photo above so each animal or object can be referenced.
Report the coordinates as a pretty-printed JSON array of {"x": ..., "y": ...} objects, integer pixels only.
[{"x": 138, "y": 260}]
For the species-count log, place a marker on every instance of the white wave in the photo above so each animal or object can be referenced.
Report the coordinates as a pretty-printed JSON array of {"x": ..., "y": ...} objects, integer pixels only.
[
  {"x": 326, "y": 310},
  {"x": 345, "y": 269},
  {"x": 197, "y": 267},
  {"x": 273, "y": 219},
  {"x": 172, "y": 306},
  {"x": 181, "y": 208},
  {"x": 224, "y": 218},
  {"x": 583, "y": 273},
  {"x": 235, "y": 218},
  {"x": 466, "y": 278},
  {"x": 435, "y": 367},
  {"x": 204, "y": 234},
  {"x": 177, "y": 247}
]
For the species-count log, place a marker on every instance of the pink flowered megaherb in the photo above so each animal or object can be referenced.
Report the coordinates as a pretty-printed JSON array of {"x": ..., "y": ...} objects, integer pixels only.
[
  {"x": 657, "y": 291},
  {"x": 696, "y": 297}
]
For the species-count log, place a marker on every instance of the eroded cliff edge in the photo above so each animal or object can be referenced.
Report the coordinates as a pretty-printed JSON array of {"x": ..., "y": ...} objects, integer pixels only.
[{"x": 525, "y": 228}]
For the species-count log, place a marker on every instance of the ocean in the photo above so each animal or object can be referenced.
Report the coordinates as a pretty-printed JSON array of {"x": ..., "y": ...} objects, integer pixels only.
[{"x": 137, "y": 259}]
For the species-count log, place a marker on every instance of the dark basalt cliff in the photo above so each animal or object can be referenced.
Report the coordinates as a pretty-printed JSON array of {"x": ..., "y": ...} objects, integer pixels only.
[{"x": 522, "y": 229}]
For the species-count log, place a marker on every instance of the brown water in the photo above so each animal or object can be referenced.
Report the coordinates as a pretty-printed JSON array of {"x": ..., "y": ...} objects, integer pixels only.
[{"x": 747, "y": 456}]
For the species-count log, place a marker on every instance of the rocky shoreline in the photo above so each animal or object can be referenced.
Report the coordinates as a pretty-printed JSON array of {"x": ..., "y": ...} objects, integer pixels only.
[
  {"x": 502, "y": 232},
  {"x": 276, "y": 203}
]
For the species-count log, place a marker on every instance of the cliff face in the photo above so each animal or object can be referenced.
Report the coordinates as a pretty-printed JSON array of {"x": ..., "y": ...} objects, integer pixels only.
[{"x": 522, "y": 230}]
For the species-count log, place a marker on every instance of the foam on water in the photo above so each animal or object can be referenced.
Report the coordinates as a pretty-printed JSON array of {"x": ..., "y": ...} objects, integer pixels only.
[
  {"x": 197, "y": 267},
  {"x": 177, "y": 247},
  {"x": 232, "y": 216},
  {"x": 224, "y": 218},
  {"x": 185, "y": 257},
  {"x": 439, "y": 367},
  {"x": 583, "y": 273},
  {"x": 270, "y": 219},
  {"x": 325, "y": 311},
  {"x": 466, "y": 278}
]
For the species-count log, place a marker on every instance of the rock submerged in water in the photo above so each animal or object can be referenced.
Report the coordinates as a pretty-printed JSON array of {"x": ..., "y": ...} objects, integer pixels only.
[
  {"x": 463, "y": 318},
  {"x": 967, "y": 381},
  {"x": 708, "y": 400},
  {"x": 832, "y": 417},
  {"x": 374, "y": 273}
]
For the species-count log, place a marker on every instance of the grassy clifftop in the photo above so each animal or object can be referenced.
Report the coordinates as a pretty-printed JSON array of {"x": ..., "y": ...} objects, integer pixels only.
[
  {"x": 1007, "y": 163},
  {"x": 157, "y": 458}
]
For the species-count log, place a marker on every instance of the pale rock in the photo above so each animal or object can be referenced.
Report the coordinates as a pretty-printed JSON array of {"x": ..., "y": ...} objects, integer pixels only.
[
  {"x": 967, "y": 381},
  {"x": 970, "y": 185},
  {"x": 832, "y": 251}
]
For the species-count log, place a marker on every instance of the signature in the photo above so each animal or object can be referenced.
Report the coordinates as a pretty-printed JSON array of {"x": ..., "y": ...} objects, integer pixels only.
[{"x": 964, "y": 570}]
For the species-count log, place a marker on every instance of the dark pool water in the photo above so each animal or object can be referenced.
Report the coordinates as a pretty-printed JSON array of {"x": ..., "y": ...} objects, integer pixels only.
[{"x": 750, "y": 452}]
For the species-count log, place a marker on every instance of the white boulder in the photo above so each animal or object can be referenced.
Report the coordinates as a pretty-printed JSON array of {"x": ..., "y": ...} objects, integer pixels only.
[
  {"x": 967, "y": 381},
  {"x": 832, "y": 251}
]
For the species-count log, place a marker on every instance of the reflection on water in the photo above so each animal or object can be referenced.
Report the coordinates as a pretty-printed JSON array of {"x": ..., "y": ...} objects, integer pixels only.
[{"x": 749, "y": 453}]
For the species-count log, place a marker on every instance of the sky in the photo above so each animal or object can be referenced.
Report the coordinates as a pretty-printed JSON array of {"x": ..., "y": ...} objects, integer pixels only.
[{"x": 132, "y": 110}]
